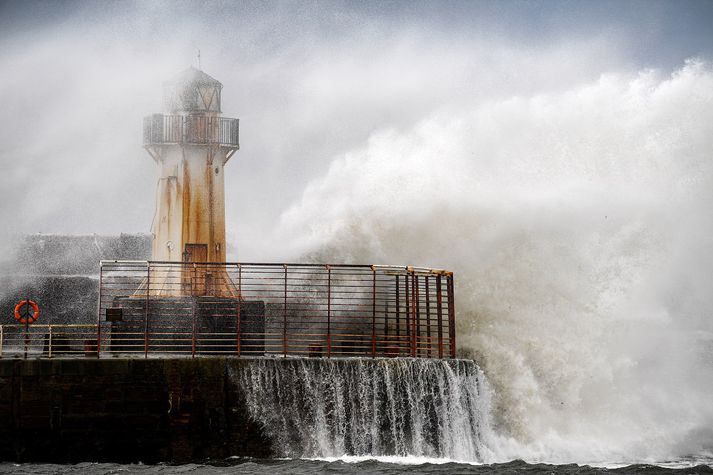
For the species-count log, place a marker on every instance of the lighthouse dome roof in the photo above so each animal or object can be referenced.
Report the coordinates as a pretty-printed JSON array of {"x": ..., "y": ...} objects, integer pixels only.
[{"x": 192, "y": 90}]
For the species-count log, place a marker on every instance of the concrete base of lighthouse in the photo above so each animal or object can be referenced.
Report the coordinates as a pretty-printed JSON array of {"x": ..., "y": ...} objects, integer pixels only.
[{"x": 189, "y": 324}]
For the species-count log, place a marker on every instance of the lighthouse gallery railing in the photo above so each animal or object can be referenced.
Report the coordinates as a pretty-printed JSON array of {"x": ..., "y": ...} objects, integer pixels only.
[{"x": 162, "y": 129}]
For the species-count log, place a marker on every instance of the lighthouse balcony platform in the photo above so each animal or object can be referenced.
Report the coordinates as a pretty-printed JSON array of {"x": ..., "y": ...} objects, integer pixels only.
[{"x": 166, "y": 129}]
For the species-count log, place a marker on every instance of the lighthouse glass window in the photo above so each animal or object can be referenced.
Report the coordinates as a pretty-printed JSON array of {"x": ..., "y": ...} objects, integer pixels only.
[
  {"x": 194, "y": 98},
  {"x": 208, "y": 97}
]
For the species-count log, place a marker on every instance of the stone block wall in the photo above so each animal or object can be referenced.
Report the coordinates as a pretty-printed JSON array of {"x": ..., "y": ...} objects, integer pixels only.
[{"x": 123, "y": 410}]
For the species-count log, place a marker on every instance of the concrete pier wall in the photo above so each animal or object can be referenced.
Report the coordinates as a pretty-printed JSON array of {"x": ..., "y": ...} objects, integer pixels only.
[
  {"x": 181, "y": 409},
  {"x": 123, "y": 410}
]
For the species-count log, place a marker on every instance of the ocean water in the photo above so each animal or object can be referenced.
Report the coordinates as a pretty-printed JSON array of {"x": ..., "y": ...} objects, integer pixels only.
[{"x": 348, "y": 465}]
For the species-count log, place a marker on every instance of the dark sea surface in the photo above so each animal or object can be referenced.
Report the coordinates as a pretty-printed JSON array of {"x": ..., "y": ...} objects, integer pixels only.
[{"x": 299, "y": 466}]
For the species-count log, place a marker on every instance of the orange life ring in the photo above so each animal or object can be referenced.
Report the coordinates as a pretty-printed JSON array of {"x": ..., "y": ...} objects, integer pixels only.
[{"x": 30, "y": 318}]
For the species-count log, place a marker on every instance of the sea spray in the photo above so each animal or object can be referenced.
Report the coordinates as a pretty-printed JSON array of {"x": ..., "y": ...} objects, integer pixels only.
[
  {"x": 332, "y": 407},
  {"x": 578, "y": 226}
]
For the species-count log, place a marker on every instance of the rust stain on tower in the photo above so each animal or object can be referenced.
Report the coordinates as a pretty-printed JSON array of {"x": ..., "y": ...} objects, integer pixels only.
[{"x": 191, "y": 143}]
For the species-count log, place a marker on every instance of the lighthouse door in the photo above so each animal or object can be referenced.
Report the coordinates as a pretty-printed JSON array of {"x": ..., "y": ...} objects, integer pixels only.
[
  {"x": 196, "y": 253},
  {"x": 196, "y": 279}
]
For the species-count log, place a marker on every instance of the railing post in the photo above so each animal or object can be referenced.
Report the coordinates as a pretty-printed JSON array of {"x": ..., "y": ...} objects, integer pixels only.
[
  {"x": 413, "y": 313},
  {"x": 386, "y": 318},
  {"x": 373, "y": 312},
  {"x": 329, "y": 312},
  {"x": 284, "y": 318},
  {"x": 193, "y": 327},
  {"x": 439, "y": 310},
  {"x": 408, "y": 312},
  {"x": 27, "y": 327},
  {"x": 451, "y": 316},
  {"x": 49, "y": 351},
  {"x": 146, "y": 311},
  {"x": 2, "y": 338},
  {"x": 239, "y": 317},
  {"x": 398, "y": 316},
  {"x": 428, "y": 315},
  {"x": 99, "y": 312},
  {"x": 417, "y": 315}
]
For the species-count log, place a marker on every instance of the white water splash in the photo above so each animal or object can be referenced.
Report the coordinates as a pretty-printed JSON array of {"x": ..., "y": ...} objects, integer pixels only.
[
  {"x": 578, "y": 225},
  {"x": 358, "y": 407}
]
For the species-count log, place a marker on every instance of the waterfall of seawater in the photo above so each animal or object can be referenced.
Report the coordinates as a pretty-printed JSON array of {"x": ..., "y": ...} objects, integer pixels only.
[{"x": 333, "y": 407}]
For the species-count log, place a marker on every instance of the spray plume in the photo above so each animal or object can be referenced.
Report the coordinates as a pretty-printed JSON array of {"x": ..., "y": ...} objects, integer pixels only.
[{"x": 578, "y": 226}]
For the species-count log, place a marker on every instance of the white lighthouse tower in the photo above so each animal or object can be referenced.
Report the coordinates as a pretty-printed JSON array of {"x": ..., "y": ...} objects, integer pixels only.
[{"x": 191, "y": 143}]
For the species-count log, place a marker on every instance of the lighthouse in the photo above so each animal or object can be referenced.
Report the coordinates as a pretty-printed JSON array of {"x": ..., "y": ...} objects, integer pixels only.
[
  {"x": 190, "y": 142},
  {"x": 185, "y": 297}
]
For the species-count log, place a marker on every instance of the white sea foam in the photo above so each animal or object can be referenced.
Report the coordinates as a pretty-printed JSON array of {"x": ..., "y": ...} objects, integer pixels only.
[
  {"x": 394, "y": 459},
  {"x": 578, "y": 225}
]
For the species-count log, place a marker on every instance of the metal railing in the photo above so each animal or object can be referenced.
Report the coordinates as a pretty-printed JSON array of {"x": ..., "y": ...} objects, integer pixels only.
[
  {"x": 48, "y": 341},
  {"x": 162, "y": 129},
  {"x": 251, "y": 309},
  {"x": 260, "y": 309}
]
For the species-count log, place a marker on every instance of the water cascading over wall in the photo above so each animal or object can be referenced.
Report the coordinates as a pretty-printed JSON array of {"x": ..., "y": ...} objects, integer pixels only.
[
  {"x": 332, "y": 407},
  {"x": 192, "y": 409}
]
